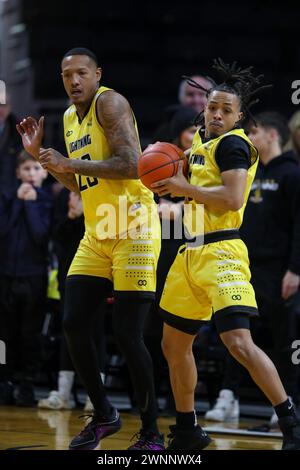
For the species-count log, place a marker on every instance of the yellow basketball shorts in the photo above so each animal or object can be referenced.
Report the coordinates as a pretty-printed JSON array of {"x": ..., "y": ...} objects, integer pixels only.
[
  {"x": 209, "y": 279},
  {"x": 130, "y": 264}
]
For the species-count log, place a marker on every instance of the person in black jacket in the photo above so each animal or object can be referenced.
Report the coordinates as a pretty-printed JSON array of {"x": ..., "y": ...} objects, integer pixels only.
[
  {"x": 271, "y": 231},
  {"x": 25, "y": 218}
]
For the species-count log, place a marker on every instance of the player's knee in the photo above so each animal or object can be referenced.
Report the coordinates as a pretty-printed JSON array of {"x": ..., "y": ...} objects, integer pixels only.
[
  {"x": 240, "y": 349},
  {"x": 173, "y": 352}
]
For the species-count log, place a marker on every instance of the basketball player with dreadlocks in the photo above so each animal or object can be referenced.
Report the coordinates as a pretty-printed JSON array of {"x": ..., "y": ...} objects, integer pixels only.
[{"x": 210, "y": 275}]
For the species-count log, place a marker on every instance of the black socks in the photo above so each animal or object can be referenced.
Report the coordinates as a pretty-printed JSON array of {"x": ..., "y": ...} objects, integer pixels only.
[{"x": 285, "y": 409}]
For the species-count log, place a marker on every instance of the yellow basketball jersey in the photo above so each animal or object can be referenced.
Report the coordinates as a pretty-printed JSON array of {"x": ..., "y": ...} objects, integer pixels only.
[
  {"x": 111, "y": 207},
  {"x": 204, "y": 171}
]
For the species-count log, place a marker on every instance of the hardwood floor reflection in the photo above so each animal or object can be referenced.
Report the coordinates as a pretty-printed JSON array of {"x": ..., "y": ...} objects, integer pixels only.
[{"x": 52, "y": 430}]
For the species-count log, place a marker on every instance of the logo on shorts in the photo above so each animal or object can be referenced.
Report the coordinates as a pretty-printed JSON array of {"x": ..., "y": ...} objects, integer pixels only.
[
  {"x": 236, "y": 297},
  {"x": 142, "y": 282}
]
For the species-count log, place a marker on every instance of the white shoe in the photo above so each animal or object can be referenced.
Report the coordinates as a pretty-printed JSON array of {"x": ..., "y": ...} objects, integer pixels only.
[
  {"x": 88, "y": 404},
  {"x": 273, "y": 423},
  {"x": 55, "y": 402},
  {"x": 226, "y": 408}
]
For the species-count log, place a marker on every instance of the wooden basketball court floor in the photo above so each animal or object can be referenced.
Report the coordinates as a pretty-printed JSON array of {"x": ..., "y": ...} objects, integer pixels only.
[{"x": 52, "y": 430}]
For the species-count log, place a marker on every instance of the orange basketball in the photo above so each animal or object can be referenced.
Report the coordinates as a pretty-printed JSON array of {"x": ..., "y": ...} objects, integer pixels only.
[{"x": 160, "y": 161}]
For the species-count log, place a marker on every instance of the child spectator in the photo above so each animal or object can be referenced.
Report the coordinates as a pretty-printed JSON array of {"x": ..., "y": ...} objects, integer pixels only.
[{"x": 25, "y": 218}]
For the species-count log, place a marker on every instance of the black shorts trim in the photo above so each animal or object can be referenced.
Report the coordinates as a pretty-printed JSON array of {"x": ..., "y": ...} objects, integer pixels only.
[
  {"x": 213, "y": 237},
  {"x": 90, "y": 279},
  {"x": 234, "y": 318},
  {"x": 186, "y": 325},
  {"x": 134, "y": 294}
]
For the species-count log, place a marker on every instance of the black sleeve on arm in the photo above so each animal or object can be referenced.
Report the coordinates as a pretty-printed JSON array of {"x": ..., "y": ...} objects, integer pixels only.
[{"x": 232, "y": 153}]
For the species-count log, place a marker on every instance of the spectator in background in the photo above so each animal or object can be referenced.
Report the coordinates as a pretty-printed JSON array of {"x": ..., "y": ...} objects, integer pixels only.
[
  {"x": 294, "y": 140},
  {"x": 271, "y": 231},
  {"x": 182, "y": 128},
  {"x": 10, "y": 146},
  {"x": 192, "y": 97},
  {"x": 188, "y": 97},
  {"x": 25, "y": 219}
]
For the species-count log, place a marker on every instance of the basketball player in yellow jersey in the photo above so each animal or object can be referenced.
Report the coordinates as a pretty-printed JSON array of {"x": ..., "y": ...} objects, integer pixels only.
[
  {"x": 210, "y": 275},
  {"x": 103, "y": 149}
]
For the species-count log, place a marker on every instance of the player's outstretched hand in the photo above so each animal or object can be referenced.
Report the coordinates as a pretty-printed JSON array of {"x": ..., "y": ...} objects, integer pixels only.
[{"x": 32, "y": 133}]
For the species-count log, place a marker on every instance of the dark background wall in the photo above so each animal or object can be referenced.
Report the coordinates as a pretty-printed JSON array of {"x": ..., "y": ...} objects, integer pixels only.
[{"x": 145, "y": 47}]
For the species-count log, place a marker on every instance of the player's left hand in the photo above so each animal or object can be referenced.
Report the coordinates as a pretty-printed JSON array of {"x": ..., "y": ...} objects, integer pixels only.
[
  {"x": 290, "y": 284},
  {"x": 50, "y": 159},
  {"x": 32, "y": 132},
  {"x": 176, "y": 186}
]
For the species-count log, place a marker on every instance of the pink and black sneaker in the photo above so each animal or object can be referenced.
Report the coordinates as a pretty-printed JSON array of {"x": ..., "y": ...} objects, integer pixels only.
[
  {"x": 147, "y": 440},
  {"x": 95, "y": 431}
]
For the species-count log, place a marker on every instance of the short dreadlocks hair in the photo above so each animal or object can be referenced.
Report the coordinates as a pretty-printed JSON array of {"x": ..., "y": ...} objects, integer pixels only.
[{"x": 237, "y": 81}]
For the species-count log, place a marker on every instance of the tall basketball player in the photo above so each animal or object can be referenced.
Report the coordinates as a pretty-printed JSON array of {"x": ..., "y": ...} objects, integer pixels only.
[{"x": 103, "y": 147}]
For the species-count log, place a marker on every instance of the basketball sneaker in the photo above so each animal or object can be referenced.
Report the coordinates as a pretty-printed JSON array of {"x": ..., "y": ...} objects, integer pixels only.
[
  {"x": 226, "y": 408},
  {"x": 55, "y": 401},
  {"x": 188, "y": 439},
  {"x": 290, "y": 427},
  {"x": 147, "y": 440},
  {"x": 98, "y": 428}
]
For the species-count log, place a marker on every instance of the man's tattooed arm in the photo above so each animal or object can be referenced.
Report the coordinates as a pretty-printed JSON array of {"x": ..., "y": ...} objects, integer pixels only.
[{"x": 116, "y": 118}]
